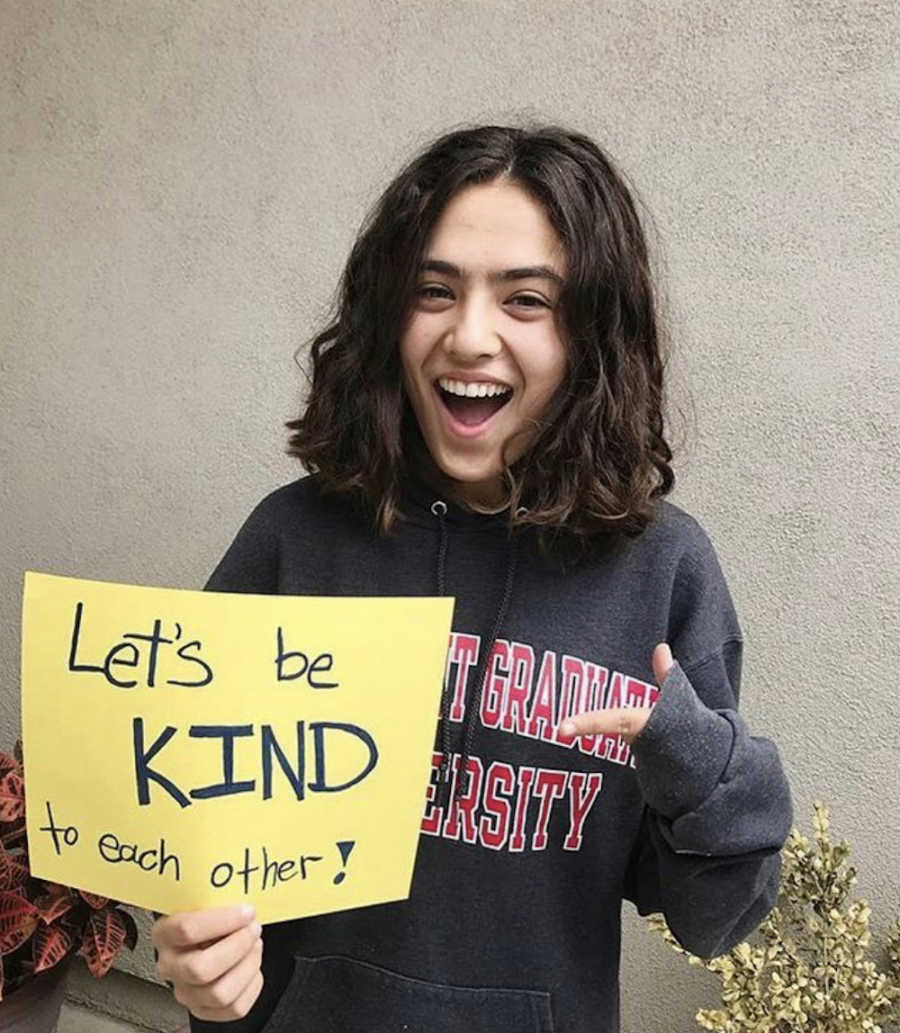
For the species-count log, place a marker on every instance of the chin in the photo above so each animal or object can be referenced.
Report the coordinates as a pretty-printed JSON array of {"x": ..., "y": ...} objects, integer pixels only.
[
  {"x": 482, "y": 487},
  {"x": 470, "y": 474}
]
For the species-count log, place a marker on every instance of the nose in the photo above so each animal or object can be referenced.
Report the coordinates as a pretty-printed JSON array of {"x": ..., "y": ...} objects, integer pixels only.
[{"x": 472, "y": 335}]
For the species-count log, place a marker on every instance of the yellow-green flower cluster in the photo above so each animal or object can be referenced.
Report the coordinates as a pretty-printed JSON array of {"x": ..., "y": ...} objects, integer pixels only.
[{"x": 809, "y": 972}]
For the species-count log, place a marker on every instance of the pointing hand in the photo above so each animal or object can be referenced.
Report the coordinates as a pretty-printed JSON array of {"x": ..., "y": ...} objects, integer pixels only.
[{"x": 628, "y": 722}]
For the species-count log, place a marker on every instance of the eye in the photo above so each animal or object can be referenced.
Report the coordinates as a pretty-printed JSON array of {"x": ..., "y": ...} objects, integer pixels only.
[
  {"x": 432, "y": 292},
  {"x": 530, "y": 301}
]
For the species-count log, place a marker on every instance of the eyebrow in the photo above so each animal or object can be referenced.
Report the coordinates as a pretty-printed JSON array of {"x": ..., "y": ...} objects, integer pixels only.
[{"x": 525, "y": 272}]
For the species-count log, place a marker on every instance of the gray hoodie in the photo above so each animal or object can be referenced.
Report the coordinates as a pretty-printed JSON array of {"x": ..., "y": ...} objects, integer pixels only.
[{"x": 514, "y": 916}]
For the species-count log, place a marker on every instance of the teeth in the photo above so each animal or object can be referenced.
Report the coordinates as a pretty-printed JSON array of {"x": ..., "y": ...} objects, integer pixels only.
[{"x": 475, "y": 390}]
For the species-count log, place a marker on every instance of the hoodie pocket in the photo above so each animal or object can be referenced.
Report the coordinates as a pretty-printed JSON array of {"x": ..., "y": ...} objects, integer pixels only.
[{"x": 334, "y": 994}]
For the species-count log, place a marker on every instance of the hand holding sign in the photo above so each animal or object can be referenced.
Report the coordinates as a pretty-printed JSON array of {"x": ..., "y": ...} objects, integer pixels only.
[
  {"x": 188, "y": 750},
  {"x": 213, "y": 959}
]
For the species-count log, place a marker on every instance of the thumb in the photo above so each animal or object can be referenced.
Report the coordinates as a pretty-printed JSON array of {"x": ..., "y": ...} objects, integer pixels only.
[{"x": 662, "y": 661}]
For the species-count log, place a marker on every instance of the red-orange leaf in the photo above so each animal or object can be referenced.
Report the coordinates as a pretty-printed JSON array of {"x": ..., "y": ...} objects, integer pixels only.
[
  {"x": 12, "y": 835},
  {"x": 13, "y": 872},
  {"x": 18, "y": 934},
  {"x": 53, "y": 887},
  {"x": 91, "y": 898},
  {"x": 104, "y": 936},
  {"x": 51, "y": 945},
  {"x": 14, "y": 911},
  {"x": 12, "y": 796},
  {"x": 54, "y": 903}
]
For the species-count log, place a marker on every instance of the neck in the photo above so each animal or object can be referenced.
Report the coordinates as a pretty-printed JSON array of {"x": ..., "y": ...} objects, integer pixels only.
[{"x": 485, "y": 497}]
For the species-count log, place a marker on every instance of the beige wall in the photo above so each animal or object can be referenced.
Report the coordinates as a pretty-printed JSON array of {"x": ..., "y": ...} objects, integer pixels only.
[{"x": 182, "y": 180}]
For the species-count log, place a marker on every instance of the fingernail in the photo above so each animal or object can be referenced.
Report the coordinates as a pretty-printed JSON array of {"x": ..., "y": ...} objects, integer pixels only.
[
  {"x": 256, "y": 929},
  {"x": 247, "y": 911},
  {"x": 567, "y": 728}
]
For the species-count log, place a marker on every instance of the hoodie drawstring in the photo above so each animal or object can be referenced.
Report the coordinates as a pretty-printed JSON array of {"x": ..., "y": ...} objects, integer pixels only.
[
  {"x": 439, "y": 509},
  {"x": 473, "y": 705}
]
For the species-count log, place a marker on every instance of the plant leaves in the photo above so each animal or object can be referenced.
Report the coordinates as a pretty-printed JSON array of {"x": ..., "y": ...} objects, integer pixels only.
[
  {"x": 18, "y": 920},
  {"x": 51, "y": 944},
  {"x": 18, "y": 934},
  {"x": 12, "y": 834},
  {"x": 12, "y": 796},
  {"x": 57, "y": 901},
  {"x": 104, "y": 937},
  {"x": 7, "y": 763},
  {"x": 15, "y": 911},
  {"x": 811, "y": 971},
  {"x": 16, "y": 974},
  {"x": 96, "y": 902},
  {"x": 13, "y": 873}
]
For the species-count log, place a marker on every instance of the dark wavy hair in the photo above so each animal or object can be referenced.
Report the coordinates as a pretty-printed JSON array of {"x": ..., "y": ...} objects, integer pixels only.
[{"x": 599, "y": 460}]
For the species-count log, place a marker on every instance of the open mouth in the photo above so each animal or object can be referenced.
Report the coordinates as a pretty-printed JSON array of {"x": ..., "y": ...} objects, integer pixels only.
[{"x": 472, "y": 409}]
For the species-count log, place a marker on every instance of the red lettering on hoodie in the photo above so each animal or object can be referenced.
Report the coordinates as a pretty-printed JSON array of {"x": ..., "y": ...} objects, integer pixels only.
[
  {"x": 431, "y": 820},
  {"x": 583, "y": 790},
  {"x": 464, "y": 654},
  {"x": 519, "y": 688},
  {"x": 549, "y": 785},
  {"x": 496, "y": 809},
  {"x": 464, "y": 803},
  {"x": 494, "y": 683},
  {"x": 517, "y": 840},
  {"x": 540, "y": 720}
]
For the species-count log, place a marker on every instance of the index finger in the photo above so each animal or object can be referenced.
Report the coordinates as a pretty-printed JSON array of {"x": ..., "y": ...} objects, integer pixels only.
[
  {"x": 194, "y": 928},
  {"x": 628, "y": 722}
]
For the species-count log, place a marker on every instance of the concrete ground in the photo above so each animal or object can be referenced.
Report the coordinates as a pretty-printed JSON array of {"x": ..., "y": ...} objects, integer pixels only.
[
  {"x": 75, "y": 1018},
  {"x": 118, "y": 1003}
]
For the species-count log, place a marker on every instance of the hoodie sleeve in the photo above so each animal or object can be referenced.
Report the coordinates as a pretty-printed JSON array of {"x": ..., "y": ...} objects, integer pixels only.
[{"x": 717, "y": 803}]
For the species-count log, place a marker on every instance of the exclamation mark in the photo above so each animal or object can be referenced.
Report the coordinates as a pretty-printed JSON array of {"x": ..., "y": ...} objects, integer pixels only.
[{"x": 345, "y": 848}]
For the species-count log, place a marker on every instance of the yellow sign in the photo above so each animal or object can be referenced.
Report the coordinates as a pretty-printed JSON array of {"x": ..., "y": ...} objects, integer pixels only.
[{"x": 192, "y": 749}]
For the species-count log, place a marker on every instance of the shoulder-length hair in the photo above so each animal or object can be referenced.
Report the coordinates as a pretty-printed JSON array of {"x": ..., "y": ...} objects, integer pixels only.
[{"x": 599, "y": 460}]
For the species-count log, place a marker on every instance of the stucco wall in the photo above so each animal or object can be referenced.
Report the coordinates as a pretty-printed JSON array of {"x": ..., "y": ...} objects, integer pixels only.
[{"x": 182, "y": 181}]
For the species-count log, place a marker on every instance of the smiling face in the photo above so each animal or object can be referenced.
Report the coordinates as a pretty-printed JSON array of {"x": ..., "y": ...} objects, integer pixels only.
[{"x": 481, "y": 352}]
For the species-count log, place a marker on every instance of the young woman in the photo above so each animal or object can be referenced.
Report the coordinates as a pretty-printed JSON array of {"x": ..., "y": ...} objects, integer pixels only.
[{"x": 485, "y": 420}]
